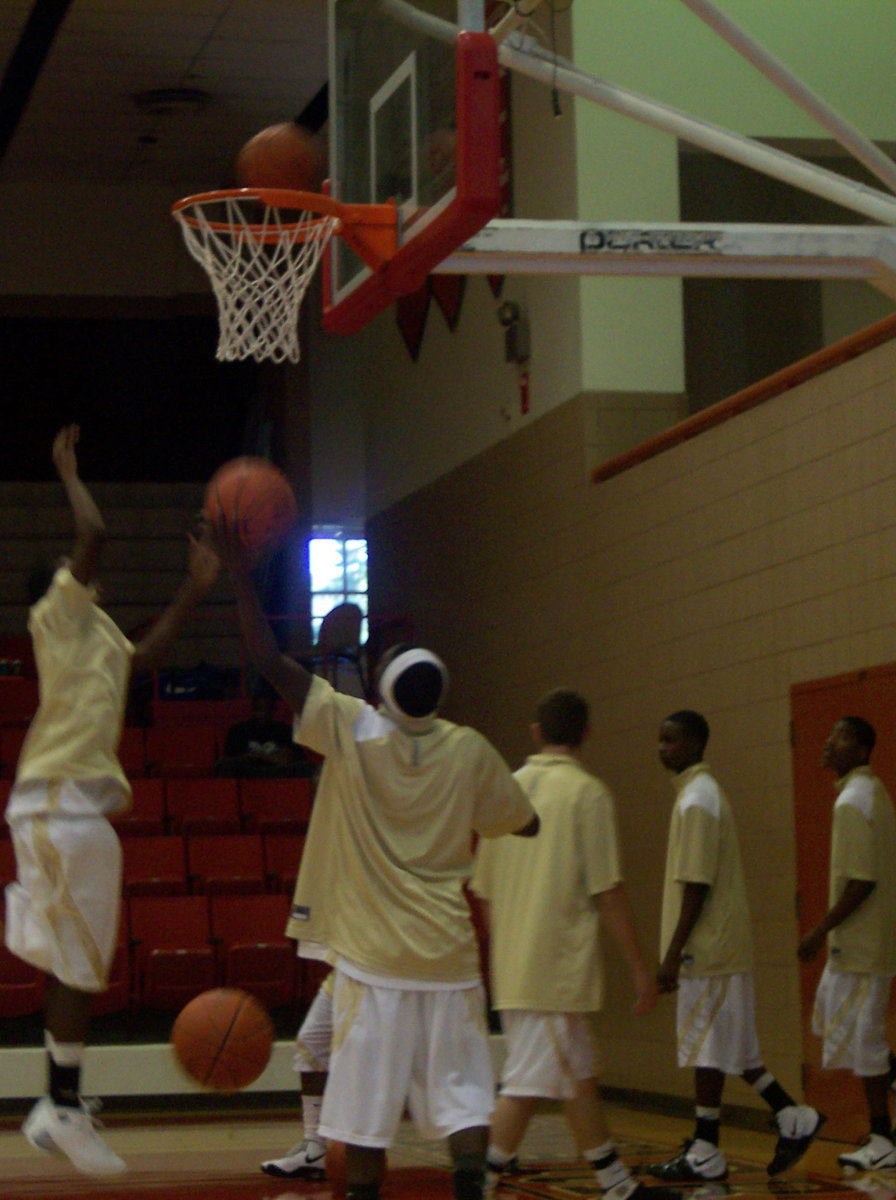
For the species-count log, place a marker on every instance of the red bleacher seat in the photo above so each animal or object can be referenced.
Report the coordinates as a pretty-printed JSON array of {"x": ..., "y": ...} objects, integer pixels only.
[
  {"x": 282, "y": 855},
  {"x": 7, "y": 863},
  {"x": 312, "y": 973},
  {"x": 132, "y": 751},
  {"x": 202, "y": 806},
  {"x": 173, "y": 957},
  {"x": 117, "y": 996},
  {"x": 230, "y": 863},
  {"x": 146, "y": 816},
  {"x": 5, "y": 789},
  {"x": 11, "y": 738},
  {"x": 276, "y": 805},
  {"x": 187, "y": 749},
  {"x": 255, "y": 953},
  {"x": 154, "y": 866},
  {"x": 22, "y": 987},
  {"x": 18, "y": 699}
]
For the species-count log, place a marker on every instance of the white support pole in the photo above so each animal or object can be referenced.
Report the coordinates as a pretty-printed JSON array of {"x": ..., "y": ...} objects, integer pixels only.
[
  {"x": 529, "y": 59},
  {"x": 772, "y": 68},
  {"x": 513, "y": 18},
  {"x": 868, "y": 201},
  {"x": 471, "y": 15}
]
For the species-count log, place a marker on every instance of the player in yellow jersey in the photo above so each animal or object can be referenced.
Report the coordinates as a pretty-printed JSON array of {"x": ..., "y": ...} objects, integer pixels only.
[
  {"x": 62, "y": 913},
  {"x": 380, "y": 894},
  {"x": 860, "y": 930},
  {"x": 547, "y": 900},
  {"x": 707, "y": 958}
]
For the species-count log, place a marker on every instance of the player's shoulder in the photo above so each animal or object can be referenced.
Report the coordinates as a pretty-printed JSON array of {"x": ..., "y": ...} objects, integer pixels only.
[
  {"x": 701, "y": 791},
  {"x": 859, "y": 792}
]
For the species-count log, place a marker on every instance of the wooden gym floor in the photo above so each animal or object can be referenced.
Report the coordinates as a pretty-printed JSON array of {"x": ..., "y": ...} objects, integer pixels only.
[{"x": 195, "y": 1157}]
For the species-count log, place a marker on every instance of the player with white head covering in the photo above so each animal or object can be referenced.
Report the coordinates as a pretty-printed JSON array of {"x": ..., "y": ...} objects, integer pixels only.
[{"x": 380, "y": 895}]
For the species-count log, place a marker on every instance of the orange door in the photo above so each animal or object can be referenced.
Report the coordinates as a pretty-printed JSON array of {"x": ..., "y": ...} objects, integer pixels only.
[{"x": 814, "y": 707}]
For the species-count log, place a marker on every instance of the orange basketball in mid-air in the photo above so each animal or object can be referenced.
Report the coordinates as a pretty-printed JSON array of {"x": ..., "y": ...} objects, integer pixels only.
[
  {"x": 223, "y": 1039},
  {"x": 281, "y": 156},
  {"x": 252, "y": 497}
]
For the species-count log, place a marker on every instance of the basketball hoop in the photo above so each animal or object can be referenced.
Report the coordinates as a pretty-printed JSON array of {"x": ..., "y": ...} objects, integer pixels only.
[{"x": 260, "y": 248}]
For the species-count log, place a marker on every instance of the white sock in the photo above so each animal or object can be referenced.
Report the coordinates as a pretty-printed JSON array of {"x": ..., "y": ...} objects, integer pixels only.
[
  {"x": 609, "y": 1168},
  {"x": 64, "y": 1054},
  {"x": 497, "y": 1158},
  {"x": 311, "y": 1106}
]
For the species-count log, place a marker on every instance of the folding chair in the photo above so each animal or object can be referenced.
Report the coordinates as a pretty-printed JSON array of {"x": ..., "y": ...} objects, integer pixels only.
[
  {"x": 230, "y": 863},
  {"x": 202, "y": 806},
  {"x": 276, "y": 805},
  {"x": 173, "y": 959},
  {"x": 255, "y": 953}
]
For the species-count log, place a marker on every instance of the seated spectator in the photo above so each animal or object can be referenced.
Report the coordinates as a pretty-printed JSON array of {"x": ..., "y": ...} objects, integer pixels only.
[{"x": 261, "y": 746}]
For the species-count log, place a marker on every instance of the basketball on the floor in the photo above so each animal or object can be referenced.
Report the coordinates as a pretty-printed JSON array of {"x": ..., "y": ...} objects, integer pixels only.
[
  {"x": 281, "y": 156},
  {"x": 252, "y": 497},
  {"x": 223, "y": 1039}
]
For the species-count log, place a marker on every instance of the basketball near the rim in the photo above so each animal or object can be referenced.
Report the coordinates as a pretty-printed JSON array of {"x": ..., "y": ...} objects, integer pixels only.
[{"x": 281, "y": 156}]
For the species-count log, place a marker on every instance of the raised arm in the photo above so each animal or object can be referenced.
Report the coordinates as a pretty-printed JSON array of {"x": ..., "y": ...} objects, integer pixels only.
[
  {"x": 202, "y": 571},
  {"x": 289, "y": 678},
  {"x": 90, "y": 529}
]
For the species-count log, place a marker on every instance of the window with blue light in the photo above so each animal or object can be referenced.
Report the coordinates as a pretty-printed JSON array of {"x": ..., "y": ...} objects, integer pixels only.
[{"x": 337, "y": 561}]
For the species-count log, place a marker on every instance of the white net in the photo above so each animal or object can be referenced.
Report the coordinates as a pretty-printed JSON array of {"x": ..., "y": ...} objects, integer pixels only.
[{"x": 260, "y": 260}]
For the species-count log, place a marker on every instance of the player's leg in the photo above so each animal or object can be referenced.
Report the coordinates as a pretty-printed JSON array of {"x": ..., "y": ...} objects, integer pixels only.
[
  {"x": 711, "y": 1040},
  {"x": 62, "y": 916},
  {"x": 587, "y": 1121},
  {"x": 306, "y": 1159},
  {"x": 516, "y": 1101},
  {"x": 451, "y": 1088},
  {"x": 468, "y": 1149},
  {"x": 798, "y": 1124},
  {"x": 374, "y": 1039},
  {"x": 850, "y": 1015}
]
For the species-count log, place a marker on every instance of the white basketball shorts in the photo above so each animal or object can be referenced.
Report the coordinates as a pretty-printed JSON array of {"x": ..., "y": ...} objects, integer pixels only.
[
  {"x": 316, "y": 1033},
  {"x": 547, "y": 1053},
  {"x": 62, "y": 912},
  {"x": 394, "y": 1046},
  {"x": 850, "y": 1016},
  {"x": 717, "y": 1023}
]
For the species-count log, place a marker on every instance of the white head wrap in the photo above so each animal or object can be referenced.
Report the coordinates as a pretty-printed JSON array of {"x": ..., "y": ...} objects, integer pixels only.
[{"x": 396, "y": 668}]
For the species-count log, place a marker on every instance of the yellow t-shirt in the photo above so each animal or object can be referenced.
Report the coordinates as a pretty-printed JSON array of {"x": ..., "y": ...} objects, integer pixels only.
[
  {"x": 863, "y": 846},
  {"x": 83, "y": 665},
  {"x": 703, "y": 848},
  {"x": 389, "y": 844},
  {"x": 545, "y": 948}
]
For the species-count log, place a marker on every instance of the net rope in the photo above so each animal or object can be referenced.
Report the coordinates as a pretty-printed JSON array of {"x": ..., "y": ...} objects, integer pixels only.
[{"x": 260, "y": 260}]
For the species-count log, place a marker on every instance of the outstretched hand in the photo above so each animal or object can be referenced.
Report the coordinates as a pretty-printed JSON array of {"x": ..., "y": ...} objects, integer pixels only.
[
  {"x": 203, "y": 563},
  {"x": 225, "y": 539},
  {"x": 64, "y": 458}
]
